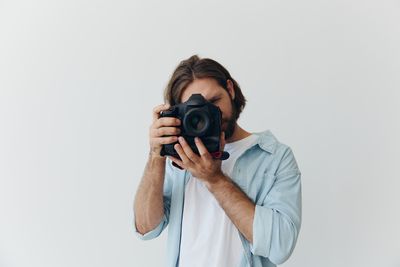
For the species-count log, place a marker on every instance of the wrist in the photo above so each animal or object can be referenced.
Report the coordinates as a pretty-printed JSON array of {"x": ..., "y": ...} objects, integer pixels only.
[
  {"x": 218, "y": 181},
  {"x": 155, "y": 154},
  {"x": 156, "y": 159}
]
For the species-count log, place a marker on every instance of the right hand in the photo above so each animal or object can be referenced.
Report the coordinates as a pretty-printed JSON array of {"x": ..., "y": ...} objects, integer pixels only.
[{"x": 161, "y": 127}]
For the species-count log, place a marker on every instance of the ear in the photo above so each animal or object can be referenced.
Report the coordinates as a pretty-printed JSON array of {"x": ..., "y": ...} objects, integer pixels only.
[{"x": 231, "y": 90}]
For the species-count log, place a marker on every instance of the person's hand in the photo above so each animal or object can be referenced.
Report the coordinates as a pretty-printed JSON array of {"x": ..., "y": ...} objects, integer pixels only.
[
  {"x": 160, "y": 128},
  {"x": 203, "y": 166}
]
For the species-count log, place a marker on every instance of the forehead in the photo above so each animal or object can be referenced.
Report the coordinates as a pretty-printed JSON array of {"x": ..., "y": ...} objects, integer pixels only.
[{"x": 207, "y": 87}]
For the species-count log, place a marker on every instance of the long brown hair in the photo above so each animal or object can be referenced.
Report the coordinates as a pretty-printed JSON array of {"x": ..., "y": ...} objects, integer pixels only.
[{"x": 196, "y": 68}]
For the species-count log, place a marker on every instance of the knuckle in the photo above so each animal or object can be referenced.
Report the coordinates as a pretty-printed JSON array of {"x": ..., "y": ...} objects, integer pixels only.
[
  {"x": 159, "y": 121},
  {"x": 159, "y": 132},
  {"x": 163, "y": 122}
]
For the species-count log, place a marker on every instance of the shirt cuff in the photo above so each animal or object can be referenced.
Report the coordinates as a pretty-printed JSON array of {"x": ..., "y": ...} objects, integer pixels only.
[
  {"x": 153, "y": 233},
  {"x": 262, "y": 229}
]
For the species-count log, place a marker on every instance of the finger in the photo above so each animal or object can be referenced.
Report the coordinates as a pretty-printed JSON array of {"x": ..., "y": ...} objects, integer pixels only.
[
  {"x": 222, "y": 142},
  {"x": 163, "y": 131},
  {"x": 202, "y": 148},
  {"x": 185, "y": 159},
  {"x": 158, "y": 109},
  {"x": 177, "y": 161},
  {"x": 166, "y": 140},
  {"x": 188, "y": 150},
  {"x": 166, "y": 122}
]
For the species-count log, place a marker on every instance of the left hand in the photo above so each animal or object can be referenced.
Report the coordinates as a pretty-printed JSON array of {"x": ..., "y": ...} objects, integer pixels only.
[{"x": 203, "y": 166}]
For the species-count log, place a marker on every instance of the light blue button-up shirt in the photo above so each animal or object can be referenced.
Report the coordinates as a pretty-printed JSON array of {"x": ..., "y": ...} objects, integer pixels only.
[{"x": 268, "y": 173}]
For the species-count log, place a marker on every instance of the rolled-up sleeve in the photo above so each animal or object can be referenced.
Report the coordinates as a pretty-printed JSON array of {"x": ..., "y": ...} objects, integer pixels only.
[
  {"x": 159, "y": 228},
  {"x": 167, "y": 204},
  {"x": 277, "y": 219}
]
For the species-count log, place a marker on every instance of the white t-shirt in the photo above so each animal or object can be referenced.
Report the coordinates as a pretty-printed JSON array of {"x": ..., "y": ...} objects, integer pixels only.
[{"x": 209, "y": 238}]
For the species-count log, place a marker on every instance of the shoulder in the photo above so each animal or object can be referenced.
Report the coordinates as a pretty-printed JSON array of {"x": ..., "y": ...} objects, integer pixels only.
[
  {"x": 280, "y": 153},
  {"x": 269, "y": 142}
]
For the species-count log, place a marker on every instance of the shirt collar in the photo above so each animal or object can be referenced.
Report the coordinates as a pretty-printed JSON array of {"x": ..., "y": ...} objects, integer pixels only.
[{"x": 267, "y": 141}]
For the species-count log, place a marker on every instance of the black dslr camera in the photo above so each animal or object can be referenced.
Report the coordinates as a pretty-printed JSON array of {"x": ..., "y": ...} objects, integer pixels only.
[{"x": 199, "y": 118}]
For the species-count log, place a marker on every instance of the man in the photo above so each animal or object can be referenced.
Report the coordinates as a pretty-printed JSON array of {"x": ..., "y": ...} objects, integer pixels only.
[{"x": 243, "y": 211}]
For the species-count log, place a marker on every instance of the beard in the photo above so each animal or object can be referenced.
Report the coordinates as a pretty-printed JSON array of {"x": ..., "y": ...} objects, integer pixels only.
[{"x": 230, "y": 122}]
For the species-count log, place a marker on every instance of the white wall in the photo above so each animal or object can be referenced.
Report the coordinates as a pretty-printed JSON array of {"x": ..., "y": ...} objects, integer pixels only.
[{"x": 78, "y": 80}]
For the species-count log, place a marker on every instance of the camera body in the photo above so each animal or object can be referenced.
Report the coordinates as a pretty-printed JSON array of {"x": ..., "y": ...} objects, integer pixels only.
[{"x": 199, "y": 118}]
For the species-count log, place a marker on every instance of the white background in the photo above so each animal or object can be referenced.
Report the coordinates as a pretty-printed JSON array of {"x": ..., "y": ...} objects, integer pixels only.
[{"x": 78, "y": 81}]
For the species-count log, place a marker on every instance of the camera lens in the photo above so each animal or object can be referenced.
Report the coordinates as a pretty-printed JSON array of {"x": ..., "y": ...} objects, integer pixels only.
[{"x": 196, "y": 122}]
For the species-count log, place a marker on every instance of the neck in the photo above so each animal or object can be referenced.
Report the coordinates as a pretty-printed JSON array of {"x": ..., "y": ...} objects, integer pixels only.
[{"x": 238, "y": 134}]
